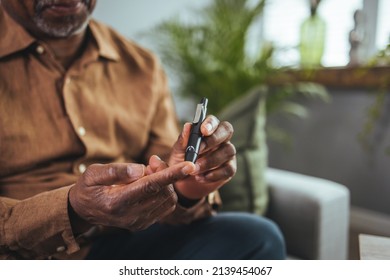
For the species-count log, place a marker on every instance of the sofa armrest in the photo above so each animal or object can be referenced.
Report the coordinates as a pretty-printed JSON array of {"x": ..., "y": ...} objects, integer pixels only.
[{"x": 312, "y": 213}]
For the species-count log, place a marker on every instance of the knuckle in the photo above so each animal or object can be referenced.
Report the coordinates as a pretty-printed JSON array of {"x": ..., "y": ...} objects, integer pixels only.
[
  {"x": 211, "y": 139},
  {"x": 229, "y": 130},
  {"x": 230, "y": 149},
  {"x": 223, "y": 134},
  {"x": 109, "y": 207},
  {"x": 170, "y": 177},
  {"x": 152, "y": 188},
  {"x": 90, "y": 174},
  {"x": 156, "y": 184},
  {"x": 94, "y": 168},
  {"x": 170, "y": 195},
  {"x": 227, "y": 126},
  {"x": 166, "y": 209},
  {"x": 231, "y": 169},
  {"x": 111, "y": 171}
]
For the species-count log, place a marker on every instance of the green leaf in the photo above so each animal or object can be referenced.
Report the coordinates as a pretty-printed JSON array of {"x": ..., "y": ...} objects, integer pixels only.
[{"x": 294, "y": 109}]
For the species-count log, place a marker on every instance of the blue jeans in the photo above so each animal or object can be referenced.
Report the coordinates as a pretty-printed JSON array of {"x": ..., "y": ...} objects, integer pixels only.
[{"x": 224, "y": 236}]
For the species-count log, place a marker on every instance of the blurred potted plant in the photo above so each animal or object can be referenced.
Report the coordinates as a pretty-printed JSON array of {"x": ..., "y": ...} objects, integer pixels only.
[
  {"x": 210, "y": 59},
  {"x": 378, "y": 117}
]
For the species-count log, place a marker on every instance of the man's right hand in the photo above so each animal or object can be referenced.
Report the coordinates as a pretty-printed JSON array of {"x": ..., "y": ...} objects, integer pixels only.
[{"x": 124, "y": 196}]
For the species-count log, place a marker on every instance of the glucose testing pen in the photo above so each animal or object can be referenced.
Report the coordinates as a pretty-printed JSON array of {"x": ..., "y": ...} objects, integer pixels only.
[{"x": 195, "y": 138}]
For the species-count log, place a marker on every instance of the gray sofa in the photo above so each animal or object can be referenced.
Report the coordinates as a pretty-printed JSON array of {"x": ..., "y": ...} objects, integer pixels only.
[{"x": 312, "y": 213}]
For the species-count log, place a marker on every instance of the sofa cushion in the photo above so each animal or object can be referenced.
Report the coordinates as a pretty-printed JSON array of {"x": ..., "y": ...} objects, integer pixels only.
[{"x": 247, "y": 191}]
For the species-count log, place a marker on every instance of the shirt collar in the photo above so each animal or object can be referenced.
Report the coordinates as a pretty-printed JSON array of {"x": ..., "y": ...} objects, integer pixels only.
[
  {"x": 14, "y": 38},
  {"x": 105, "y": 45}
]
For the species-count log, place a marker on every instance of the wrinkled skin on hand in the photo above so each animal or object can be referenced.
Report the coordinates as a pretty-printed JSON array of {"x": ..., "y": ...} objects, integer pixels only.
[
  {"x": 125, "y": 196},
  {"x": 134, "y": 196}
]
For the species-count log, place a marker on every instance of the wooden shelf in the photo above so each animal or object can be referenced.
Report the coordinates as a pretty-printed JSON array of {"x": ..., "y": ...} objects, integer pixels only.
[{"x": 342, "y": 77}]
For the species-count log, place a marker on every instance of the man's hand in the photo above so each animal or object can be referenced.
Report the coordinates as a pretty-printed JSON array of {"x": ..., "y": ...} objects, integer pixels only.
[
  {"x": 126, "y": 195},
  {"x": 216, "y": 163}
]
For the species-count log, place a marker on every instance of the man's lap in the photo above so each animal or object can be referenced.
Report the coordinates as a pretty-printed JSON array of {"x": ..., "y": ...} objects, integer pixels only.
[{"x": 224, "y": 236}]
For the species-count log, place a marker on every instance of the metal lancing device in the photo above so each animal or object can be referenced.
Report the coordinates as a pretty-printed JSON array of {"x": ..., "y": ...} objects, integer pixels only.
[{"x": 195, "y": 137}]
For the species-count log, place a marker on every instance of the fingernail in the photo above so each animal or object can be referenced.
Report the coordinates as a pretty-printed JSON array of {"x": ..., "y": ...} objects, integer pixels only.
[
  {"x": 135, "y": 171},
  {"x": 209, "y": 127},
  {"x": 157, "y": 157}
]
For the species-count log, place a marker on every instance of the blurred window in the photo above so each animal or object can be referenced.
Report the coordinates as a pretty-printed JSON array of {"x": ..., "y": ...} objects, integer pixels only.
[
  {"x": 383, "y": 27},
  {"x": 282, "y": 20}
]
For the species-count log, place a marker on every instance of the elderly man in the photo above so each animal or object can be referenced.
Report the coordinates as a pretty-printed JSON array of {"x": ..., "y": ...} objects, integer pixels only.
[{"x": 92, "y": 162}]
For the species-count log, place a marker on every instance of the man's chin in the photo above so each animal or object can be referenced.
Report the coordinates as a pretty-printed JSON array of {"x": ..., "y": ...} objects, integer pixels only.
[{"x": 63, "y": 29}]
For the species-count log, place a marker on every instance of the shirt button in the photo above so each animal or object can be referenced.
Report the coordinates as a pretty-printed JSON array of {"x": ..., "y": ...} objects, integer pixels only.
[
  {"x": 68, "y": 80},
  {"x": 81, "y": 131},
  {"x": 211, "y": 198},
  {"x": 82, "y": 168},
  {"x": 40, "y": 49},
  {"x": 60, "y": 249}
]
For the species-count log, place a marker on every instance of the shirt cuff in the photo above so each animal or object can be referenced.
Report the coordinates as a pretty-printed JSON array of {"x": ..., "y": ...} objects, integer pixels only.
[{"x": 39, "y": 226}]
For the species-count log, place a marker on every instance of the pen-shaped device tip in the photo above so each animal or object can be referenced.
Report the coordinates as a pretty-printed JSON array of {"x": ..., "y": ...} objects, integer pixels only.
[
  {"x": 204, "y": 102},
  {"x": 195, "y": 137}
]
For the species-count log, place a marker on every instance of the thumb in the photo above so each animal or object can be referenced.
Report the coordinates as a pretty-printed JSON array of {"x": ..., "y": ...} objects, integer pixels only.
[{"x": 179, "y": 147}]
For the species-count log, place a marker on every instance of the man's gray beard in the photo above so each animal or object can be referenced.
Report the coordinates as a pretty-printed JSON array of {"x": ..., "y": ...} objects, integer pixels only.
[
  {"x": 70, "y": 27},
  {"x": 62, "y": 31}
]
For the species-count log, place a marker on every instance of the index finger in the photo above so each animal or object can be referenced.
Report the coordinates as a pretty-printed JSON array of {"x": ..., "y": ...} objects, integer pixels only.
[
  {"x": 219, "y": 133},
  {"x": 152, "y": 184}
]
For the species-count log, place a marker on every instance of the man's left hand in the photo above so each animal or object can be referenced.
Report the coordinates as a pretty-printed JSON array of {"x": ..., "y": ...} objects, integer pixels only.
[{"x": 216, "y": 163}]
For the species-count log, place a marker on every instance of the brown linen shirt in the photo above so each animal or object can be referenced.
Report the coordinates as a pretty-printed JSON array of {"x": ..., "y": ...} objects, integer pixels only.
[{"x": 111, "y": 105}]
